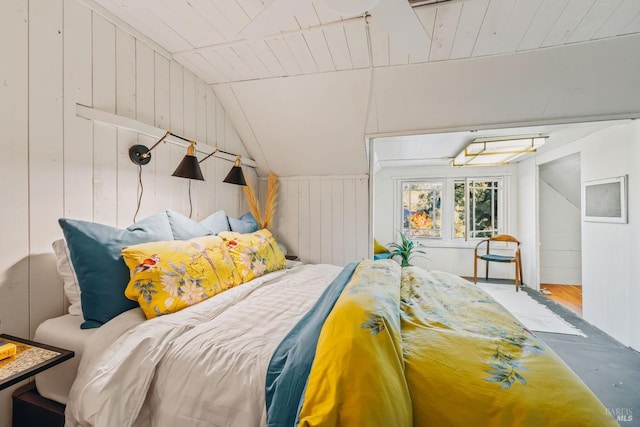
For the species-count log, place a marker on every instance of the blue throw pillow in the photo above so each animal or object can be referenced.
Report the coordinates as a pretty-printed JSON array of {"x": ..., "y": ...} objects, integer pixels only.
[
  {"x": 184, "y": 228},
  {"x": 245, "y": 224},
  {"x": 102, "y": 273},
  {"x": 216, "y": 222}
]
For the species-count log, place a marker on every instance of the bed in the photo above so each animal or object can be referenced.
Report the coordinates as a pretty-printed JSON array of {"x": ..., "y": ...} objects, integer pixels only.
[{"x": 368, "y": 344}]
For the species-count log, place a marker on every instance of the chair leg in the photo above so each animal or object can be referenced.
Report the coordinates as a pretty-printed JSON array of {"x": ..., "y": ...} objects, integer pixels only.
[
  {"x": 520, "y": 268},
  {"x": 475, "y": 270},
  {"x": 517, "y": 277},
  {"x": 486, "y": 270}
]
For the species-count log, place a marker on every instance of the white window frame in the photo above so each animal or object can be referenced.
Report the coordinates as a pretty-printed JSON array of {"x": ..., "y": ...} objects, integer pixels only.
[{"x": 447, "y": 203}]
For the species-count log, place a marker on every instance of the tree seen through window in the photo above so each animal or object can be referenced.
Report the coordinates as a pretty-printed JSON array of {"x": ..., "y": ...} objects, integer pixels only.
[
  {"x": 473, "y": 213},
  {"x": 421, "y": 214},
  {"x": 482, "y": 199}
]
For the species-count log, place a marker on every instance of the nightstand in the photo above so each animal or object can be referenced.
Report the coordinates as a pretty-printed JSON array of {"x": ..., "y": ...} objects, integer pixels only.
[{"x": 31, "y": 358}]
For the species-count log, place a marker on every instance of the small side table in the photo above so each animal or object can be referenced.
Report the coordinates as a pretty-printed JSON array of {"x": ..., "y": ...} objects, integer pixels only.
[{"x": 31, "y": 358}]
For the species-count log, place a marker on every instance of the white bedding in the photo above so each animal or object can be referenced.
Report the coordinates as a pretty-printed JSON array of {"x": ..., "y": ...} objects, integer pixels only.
[
  {"x": 202, "y": 366},
  {"x": 65, "y": 332}
]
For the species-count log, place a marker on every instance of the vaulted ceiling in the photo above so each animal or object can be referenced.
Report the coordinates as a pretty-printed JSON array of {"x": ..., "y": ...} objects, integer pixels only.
[
  {"x": 314, "y": 83},
  {"x": 205, "y": 35}
]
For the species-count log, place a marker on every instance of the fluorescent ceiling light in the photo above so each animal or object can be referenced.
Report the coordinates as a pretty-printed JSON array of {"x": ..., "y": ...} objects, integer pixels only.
[{"x": 497, "y": 151}]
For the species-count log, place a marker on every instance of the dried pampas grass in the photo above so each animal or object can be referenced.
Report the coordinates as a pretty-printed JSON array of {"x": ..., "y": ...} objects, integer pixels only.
[
  {"x": 270, "y": 205},
  {"x": 272, "y": 199},
  {"x": 252, "y": 201}
]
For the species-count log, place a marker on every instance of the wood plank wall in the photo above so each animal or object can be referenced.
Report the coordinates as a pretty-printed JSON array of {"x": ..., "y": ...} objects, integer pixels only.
[
  {"x": 53, "y": 164},
  {"x": 323, "y": 220}
]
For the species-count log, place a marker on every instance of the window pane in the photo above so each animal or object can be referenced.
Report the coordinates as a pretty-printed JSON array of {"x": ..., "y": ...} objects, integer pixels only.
[
  {"x": 483, "y": 196},
  {"x": 459, "y": 227},
  {"x": 421, "y": 214}
]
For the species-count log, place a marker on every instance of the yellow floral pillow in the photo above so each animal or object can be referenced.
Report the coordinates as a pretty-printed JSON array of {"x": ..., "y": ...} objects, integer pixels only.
[
  {"x": 171, "y": 275},
  {"x": 254, "y": 254}
]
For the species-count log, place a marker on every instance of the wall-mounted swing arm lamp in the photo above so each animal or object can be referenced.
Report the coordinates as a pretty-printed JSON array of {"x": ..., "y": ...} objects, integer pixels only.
[
  {"x": 189, "y": 167},
  {"x": 235, "y": 175}
]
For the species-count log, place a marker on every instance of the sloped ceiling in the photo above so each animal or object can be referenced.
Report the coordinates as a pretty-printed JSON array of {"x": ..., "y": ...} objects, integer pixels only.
[
  {"x": 563, "y": 175},
  {"x": 303, "y": 125},
  {"x": 582, "y": 80},
  {"x": 289, "y": 121},
  {"x": 304, "y": 99}
]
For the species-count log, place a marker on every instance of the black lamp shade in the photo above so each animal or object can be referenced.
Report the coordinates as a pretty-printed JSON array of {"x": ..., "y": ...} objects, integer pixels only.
[
  {"x": 235, "y": 176},
  {"x": 189, "y": 168}
]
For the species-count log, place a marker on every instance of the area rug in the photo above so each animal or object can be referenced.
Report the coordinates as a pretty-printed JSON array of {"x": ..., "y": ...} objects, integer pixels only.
[{"x": 535, "y": 316}]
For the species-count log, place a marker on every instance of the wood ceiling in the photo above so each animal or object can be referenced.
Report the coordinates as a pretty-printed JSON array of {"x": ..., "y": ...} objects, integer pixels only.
[{"x": 203, "y": 34}]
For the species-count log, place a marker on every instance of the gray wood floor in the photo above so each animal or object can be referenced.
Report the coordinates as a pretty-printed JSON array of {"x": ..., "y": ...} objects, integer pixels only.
[{"x": 610, "y": 369}]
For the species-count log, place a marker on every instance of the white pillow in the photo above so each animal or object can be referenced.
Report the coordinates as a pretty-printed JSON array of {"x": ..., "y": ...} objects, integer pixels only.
[{"x": 68, "y": 275}]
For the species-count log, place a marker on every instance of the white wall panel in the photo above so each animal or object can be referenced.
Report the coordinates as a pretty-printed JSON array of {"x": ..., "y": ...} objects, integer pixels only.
[
  {"x": 315, "y": 216},
  {"x": 209, "y": 166},
  {"x": 14, "y": 179},
  {"x": 608, "y": 267},
  {"x": 337, "y": 221},
  {"x": 350, "y": 223},
  {"x": 634, "y": 239},
  {"x": 323, "y": 219},
  {"x": 326, "y": 222},
  {"x": 165, "y": 159},
  {"x": 104, "y": 137},
  {"x": 78, "y": 132},
  {"x": 45, "y": 154},
  {"x": 145, "y": 112},
  {"x": 126, "y": 106}
]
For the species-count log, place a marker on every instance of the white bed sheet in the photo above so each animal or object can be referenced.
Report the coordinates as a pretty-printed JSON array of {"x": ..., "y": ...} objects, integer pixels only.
[
  {"x": 64, "y": 331},
  {"x": 202, "y": 366}
]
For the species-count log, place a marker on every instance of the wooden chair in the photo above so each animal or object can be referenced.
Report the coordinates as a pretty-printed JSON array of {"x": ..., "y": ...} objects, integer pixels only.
[{"x": 494, "y": 257}]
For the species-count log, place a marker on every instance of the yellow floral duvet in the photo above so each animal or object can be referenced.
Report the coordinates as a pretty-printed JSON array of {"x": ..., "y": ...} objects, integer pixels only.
[{"x": 408, "y": 347}]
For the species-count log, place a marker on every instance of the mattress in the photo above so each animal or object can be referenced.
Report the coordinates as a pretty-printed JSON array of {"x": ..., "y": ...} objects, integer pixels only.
[{"x": 65, "y": 332}]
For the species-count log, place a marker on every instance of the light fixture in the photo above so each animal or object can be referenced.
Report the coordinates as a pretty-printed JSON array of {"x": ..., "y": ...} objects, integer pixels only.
[
  {"x": 235, "y": 175},
  {"x": 189, "y": 167},
  {"x": 497, "y": 151}
]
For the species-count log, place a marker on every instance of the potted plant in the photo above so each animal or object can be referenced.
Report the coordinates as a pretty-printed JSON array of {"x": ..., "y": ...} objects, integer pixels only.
[{"x": 405, "y": 250}]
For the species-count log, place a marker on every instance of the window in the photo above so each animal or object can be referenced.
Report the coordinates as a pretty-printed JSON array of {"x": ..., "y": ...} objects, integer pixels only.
[
  {"x": 476, "y": 208},
  {"x": 453, "y": 208},
  {"x": 421, "y": 213}
]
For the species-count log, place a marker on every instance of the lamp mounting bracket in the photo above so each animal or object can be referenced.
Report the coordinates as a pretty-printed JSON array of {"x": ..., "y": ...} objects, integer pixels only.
[{"x": 139, "y": 154}]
